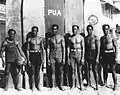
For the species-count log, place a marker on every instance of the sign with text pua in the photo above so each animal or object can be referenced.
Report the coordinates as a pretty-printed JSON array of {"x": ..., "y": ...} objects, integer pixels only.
[{"x": 54, "y": 14}]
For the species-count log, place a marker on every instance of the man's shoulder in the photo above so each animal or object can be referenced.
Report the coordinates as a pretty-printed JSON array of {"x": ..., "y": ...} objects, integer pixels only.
[
  {"x": 102, "y": 37},
  {"x": 96, "y": 37},
  {"x": 80, "y": 36},
  {"x": 59, "y": 35},
  {"x": 29, "y": 39},
  {"x": 86, "y": 37},
  {"x": 39, "y": 37},
  {"x": 5, "y": 42}
]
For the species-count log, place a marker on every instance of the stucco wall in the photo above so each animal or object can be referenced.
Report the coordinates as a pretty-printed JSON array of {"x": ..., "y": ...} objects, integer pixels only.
[
  {"x": 33, "y": 14},
  {"x": 74, "y": 14},
  {"x": 13, "y": 16},
  {"x": 93, "y": 7}
]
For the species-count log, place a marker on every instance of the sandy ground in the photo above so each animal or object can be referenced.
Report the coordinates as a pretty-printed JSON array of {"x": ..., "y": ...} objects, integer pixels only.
[
  {"x": 88, "y": 91},
  {"x": 47, "y": 91}
]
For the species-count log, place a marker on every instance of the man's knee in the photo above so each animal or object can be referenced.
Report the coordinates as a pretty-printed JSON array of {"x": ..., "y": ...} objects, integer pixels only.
[
  {"x": 114, "y": 68},
  {"x": 7, "y": 72}
]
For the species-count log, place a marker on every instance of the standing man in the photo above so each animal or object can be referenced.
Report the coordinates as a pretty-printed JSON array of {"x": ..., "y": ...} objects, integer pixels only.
[
  {"x": 56, "y": 56},
  {"x": 35, "y": 56},
  {"x": 14, "y": 58},
  {"x": 117, "y": 54},
  {"x": 92, "y": 51},
  {"x": 76, "y": 55},
  {"x": 108, "y": 54}
]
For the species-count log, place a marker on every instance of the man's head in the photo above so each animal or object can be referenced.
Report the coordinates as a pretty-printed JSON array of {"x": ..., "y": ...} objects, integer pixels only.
[
  {"x": 11, "y": 34},
  {"x": 117, "y": 31},
  {"x": 34, "y": 30},
  {"x": 75, "y": 29},
  {"x": 90, "y": 29},
  {"x": 55, "y": 28},
  {"x": 106, "y": 29}
]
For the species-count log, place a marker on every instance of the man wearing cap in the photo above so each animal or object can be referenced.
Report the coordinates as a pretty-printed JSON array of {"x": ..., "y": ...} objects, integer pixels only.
[{"x": 76, "y": 56}]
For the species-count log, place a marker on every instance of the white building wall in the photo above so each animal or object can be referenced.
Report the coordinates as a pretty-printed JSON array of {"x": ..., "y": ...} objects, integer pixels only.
[{"x": 93, "y": 7}]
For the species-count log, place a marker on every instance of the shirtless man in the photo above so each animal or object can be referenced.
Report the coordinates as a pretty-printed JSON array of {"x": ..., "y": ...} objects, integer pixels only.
[
  {"x": 108, "y": 54},
  {"x": 56, "y": 56},
  {"x": 92, "y": 51},
  {"x": 35, "y": 56},
  {"x": 76, "y": 55},
  {"x": 117, "y": 55},
  {"x": 10, "y": 46}
]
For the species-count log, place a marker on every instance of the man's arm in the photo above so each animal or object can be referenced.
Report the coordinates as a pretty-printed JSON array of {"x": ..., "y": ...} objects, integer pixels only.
[
  {"x": 28, "y": 53},
  {"x": 68, "y": 51},
  {"x": 48, "y": 50},
  {"x": 42, "y": 48},
  {"x": 1, "y": 52},
  {"x": 97, "y": 42},
  {"x": 83, "y": 49},
  {"x": 115, "y": 47},
  {"x": 63, "y": 50},
  {"x": 21, "y": 51}
]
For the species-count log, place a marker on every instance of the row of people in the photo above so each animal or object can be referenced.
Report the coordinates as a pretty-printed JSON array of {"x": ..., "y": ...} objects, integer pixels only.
[{"x": 88, "y": 51}]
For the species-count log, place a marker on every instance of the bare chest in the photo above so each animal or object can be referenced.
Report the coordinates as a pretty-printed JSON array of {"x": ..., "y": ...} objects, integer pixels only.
[
  {"x": 75, "y": 40},
  {"x": 55, "y": 41},
  {"x": 35, "y": 41},
  {"x": 90, "y": 40},
  {"x": 107, "y": 40}
]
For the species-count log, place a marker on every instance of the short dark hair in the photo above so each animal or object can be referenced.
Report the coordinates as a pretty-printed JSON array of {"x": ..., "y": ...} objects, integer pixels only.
[
  {"x": 11, "y": 30},
  {"x": 54, "y": 26},
  {"x": 105, "y": 25},
  {"x": 90, "y": 26},
  {"x": 34, "y": 27},
  {"x": 75, "y": 26}
]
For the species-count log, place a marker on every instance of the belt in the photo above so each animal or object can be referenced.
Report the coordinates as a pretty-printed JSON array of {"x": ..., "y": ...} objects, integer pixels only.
[
  {"x": 75, "y": 50},
  {"x": 35, "y": 51},
  {"x": 109, "y": 51}
]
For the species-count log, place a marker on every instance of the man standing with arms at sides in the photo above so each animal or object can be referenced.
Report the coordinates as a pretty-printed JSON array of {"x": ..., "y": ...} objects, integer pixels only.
[
  {"x": 117, "y": 54},
  {"x": 108, "y": 54},
  {"x": 92, "y": 51},
  {"x": 56, "y": 56},
  {"x": 11, "y": 48},
  {"x": 35, "y": 56},
  {"x": 76, "y": 55}
]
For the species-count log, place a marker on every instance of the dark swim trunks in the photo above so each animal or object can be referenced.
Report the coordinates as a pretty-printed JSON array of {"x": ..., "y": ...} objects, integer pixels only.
[
  {"x": 108, "y": 58},
  {"x": 90, "y": 56},
  {"x": 35, "y": 58}
]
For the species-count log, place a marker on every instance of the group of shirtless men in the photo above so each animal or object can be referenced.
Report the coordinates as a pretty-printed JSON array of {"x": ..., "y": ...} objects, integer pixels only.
[{"x": 76, "y": 51}]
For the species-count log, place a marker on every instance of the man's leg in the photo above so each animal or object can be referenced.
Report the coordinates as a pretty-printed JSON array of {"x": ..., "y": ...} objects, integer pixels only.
[
  {"x": 67, "y": 74},
  {"x": 72, "y": 62},
  {"x": 80, "y": 75},
  {"x": 37, "y": 75},
  {"x": 95, "y": 72},
  {"x": 100, "y": 82},
  {"x": 105, "y": 72},
  {"x": 88, "y": 73},
  {"x": 114, "y": 75},
  {"x": 33, "y": 77},
  {"x": 7, "y": 71},
  {"x": 18, "y": 78},
  {"x": 53, "y": 73},
  {"x": 60, "y": 72}
]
